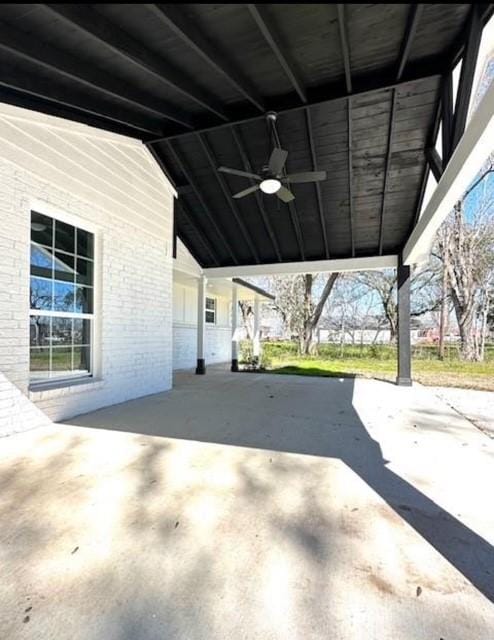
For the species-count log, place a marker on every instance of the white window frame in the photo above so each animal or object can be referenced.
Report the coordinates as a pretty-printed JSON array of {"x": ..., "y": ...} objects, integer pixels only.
[
  {"x": 45, "y": 209},
  {"x": 213, "y": 311}
]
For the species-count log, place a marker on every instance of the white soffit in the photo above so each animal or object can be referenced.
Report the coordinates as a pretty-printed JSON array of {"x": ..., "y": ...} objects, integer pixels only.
[{"x": 312, "y": 266}]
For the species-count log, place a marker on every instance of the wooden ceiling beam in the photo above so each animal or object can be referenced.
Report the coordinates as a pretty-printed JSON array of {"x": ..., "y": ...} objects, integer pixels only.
[
  {"x": 85, "y": 19},
  {"x": 173, "y": 16},
  {"x": 361, "y": 86},
  {"x": 467, "y": 74},
  {"x": 414, "y": 16},
  {"x": 67, "y": 66},
  {"x": 389, "y": 144},
  {"x": 213, "y": 163},
  {"x": 317, "y": 186},
  {"x": 182, "y": 165},
  {"x": 181, "y": 206},
  {"x": 345, "y": 49},
  {"x": 267, "y": 28},
  {"x": 262, "y": 211}
]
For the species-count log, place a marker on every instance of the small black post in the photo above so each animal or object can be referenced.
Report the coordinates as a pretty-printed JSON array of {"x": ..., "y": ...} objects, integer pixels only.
[
  {"x": 404, "y": 352},
  {"x": 234, "y": 367},
  {"x": 201, "y": 366}
]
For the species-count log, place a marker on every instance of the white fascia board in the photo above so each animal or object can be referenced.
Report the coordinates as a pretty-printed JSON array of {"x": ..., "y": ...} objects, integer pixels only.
[
  {"x": 473, "y": 149},
  {"x": 312, "y": 266}
]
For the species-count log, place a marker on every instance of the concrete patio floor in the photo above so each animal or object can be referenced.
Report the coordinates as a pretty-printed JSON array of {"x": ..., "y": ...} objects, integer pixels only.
[{"x": 251, "y": 506}]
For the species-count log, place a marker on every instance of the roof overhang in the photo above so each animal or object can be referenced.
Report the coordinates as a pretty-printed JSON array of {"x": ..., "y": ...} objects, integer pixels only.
[
  {"x": 474, "y": 147},
  {"x": 314, "y": 266}
]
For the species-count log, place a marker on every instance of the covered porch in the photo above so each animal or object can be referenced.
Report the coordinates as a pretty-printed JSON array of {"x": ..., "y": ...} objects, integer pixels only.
[{"x": 277, "y": 506}]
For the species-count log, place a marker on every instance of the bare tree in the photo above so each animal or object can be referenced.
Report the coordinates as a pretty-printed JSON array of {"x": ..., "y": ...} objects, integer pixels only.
[
  {"x": 384, "y": 284},
  {"x": 465, "y": 246},
  {"x": 300, "y": 301},
  {"x": 247, "y": 313}
]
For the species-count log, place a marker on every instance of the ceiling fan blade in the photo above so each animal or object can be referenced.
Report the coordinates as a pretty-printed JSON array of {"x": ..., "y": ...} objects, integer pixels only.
[
  {"x": 285, "y": 195},
  {"x": 307, "y": 176},
  {"x": 237, "y": 172},
  {"x": 277, "y": 161},
  {"x": 247, "y": 191}
]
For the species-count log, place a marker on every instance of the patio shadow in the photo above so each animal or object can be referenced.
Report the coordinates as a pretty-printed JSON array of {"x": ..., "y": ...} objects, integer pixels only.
[{"x": 303, "y": 416}]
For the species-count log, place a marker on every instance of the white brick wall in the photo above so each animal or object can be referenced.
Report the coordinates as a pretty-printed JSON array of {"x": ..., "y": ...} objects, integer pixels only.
[
  {"x": 111, "y": 183},
  {"x": 217, "y": 346}
]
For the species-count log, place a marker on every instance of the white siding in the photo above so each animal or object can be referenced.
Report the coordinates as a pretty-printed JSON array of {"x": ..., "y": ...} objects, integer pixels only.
[
  {"x": 218, "y": 336},
  {"x": 111, "y": 183}
]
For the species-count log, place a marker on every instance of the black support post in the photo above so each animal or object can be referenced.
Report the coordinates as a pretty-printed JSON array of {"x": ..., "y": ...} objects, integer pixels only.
[{"x": 404, "y": 352}]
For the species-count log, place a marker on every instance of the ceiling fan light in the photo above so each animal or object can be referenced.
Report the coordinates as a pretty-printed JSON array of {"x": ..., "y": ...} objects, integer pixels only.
[{"x": 271, "y": 185}]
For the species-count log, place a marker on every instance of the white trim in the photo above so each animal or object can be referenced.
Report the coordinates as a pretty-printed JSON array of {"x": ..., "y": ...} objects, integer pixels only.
[
  {"x": 47, "y": 209},
  {"x": 313, "y": 266},
  {"x": 472, "y": 150}
]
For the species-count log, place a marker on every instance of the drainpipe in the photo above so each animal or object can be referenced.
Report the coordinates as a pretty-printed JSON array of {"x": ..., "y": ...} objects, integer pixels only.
[
  {"x": 256, "y": 339},
  {"x": 201, "y": 325},
  {"x": 234, "y": 327}
]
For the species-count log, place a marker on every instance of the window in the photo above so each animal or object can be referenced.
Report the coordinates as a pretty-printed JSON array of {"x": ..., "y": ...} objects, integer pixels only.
[
  {"x": 61, "y": 299},
  {"x": 211, "y": 310}
]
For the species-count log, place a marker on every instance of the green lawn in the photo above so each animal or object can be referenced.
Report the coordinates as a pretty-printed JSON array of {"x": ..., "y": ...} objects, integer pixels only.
[{"x": 380, "y": 362}]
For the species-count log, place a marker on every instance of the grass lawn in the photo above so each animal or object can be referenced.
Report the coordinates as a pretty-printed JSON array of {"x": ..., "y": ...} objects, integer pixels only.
[{"x": 380, "y": 362}]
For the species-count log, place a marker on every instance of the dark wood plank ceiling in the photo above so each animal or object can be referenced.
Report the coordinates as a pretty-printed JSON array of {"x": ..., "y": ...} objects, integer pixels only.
[{"x": 357, "y": 89}]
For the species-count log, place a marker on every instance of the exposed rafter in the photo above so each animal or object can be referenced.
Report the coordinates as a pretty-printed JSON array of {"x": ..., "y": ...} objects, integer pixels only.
[
  {"x": 66, "y": 66},
  {"x": 98, "y": 27},
  {"x": 213, "y": 163},
  {"x": 174, "y": 18},
  {"x": 265, "y": 24},
  {"x": 262, "y": 211},
  {"x": 345, "y": 50},
  {"x": 332, "y": 93},
  {"x": 317, "y": 186},
  {"x": 182, "y": 208},
  {"x": 410, "y": 30},
  {"x": 205, "y": 208},
  {"x": 350, "y": 177},
  {"x": 435, "y": 162},
  {"x": 470, "y": 55},
  {"x": 32, "y": 92},
  {"x": 431, "y": 142},
  {"x": 386, "y": 168},
  {"x": 446, "y": 116}
]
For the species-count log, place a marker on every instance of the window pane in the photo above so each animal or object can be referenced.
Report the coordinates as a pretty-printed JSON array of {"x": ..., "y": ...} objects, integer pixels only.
[
  {"x": 41, "y": 294},
  {"x": 210, "y": 304},
  {"x": 84, "y": 300},
  {"x": 41, "y": 229},
  {"x": 61, "y": 331},
  {"x": 39, "y": 331},
  {"x": 82, "y": 331},
  {"x": 64, "y": 297},
  {"x": 84, "y": 271},
  {"x": 64, "y": 237},
  {"x": 41, "y": 261},
  {"x": 85, "y": 244},
  {"x": 82, "y": 360},
  {"x": 40, "y": 363},
  {"x": 64, "y": 267},
  {"x": 210, "y": 317},
  {"x": 61, "y": 360}
]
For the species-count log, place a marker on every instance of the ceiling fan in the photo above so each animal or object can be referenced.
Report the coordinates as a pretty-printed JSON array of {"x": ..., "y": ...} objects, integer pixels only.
[{"x": 272, "y": 178}]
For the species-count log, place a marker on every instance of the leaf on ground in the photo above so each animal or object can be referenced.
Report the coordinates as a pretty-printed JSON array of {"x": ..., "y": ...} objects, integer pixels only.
[
  {"x": 176, "y": 524},
  {"x": 419, "y": 591},
  {"x": 74, "y": 550}
]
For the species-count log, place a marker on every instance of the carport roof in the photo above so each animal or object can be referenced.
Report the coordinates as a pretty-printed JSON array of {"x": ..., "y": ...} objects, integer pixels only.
[{"x": 358, "y": 89}]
